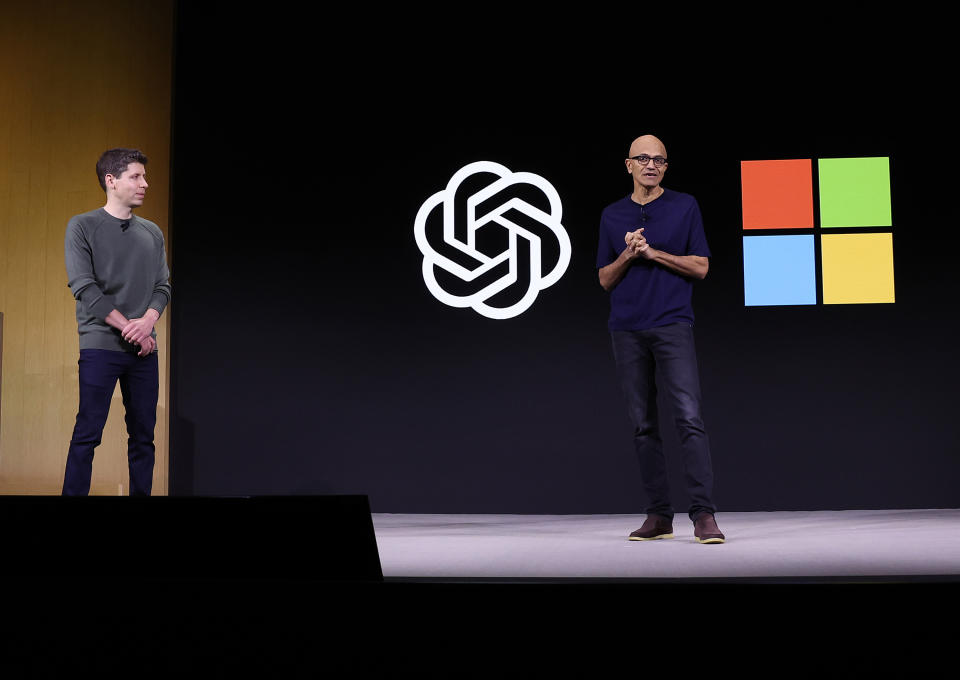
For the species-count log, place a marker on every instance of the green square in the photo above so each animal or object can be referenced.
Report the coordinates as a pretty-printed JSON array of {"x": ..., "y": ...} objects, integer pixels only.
[{"x": 855, "y": 192}]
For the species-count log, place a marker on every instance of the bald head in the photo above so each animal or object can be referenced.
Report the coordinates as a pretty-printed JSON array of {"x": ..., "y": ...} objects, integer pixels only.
[
  {"x": 649, "y": 145},
  {"x": 647, "y": 176}
]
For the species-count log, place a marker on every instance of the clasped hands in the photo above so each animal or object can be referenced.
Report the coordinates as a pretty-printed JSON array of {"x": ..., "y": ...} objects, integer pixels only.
[
  {"x": 637, "y": 244},
  {"x": 138, "y": 332}
]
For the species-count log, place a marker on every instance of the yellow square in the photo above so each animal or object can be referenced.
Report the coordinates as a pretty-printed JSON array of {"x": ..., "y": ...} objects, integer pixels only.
[{"x": 857, "y": 268}]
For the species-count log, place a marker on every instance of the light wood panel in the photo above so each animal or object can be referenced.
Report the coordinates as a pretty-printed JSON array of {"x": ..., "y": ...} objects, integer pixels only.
[{"x": 75, "y": 79}]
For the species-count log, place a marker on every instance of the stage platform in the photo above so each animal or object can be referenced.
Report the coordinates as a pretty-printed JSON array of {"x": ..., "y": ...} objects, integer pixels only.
[
  {"x": 789, "y": 546},
  {"x": 552, "y": 596}
]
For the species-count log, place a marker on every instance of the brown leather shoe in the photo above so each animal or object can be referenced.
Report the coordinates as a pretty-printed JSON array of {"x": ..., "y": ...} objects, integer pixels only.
[
  {"x": 705, "y": 529},
  {"x": 655, "y": 526}
]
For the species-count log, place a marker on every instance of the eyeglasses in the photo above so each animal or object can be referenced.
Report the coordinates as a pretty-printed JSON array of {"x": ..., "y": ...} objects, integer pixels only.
[{"x": 644, "y": 159}]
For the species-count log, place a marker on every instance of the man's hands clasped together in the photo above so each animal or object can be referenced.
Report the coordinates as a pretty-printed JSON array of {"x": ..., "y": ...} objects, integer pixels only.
[
  {"x": 637, "y": 245},
  {"x": 138, "y": 332}
]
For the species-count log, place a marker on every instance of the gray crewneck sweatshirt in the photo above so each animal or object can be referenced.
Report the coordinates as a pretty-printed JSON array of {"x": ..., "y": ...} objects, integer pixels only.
[{"x": 114, "y": 264}]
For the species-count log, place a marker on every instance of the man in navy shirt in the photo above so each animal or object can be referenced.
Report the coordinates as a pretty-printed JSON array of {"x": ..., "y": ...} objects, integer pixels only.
[{"x": 651, "y": 249}]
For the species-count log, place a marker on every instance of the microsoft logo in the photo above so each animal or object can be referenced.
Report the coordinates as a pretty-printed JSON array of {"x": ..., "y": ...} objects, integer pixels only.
[{"x": 783, "y": 250}]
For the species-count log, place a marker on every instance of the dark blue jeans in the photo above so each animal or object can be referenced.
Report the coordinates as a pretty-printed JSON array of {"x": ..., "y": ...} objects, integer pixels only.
[
  {"x": 666, "y": 354},
  {"x": 140, "y": 386}
]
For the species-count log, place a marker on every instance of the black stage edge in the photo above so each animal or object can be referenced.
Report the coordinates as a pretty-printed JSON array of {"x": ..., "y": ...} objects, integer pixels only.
[
  {"x": 387, "y": 629},
  {"x": 286, "y": 586},
  {"x": 312, "y": 538}
]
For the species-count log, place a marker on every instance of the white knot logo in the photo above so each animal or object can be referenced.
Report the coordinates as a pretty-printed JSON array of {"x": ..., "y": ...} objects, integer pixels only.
[{"x": 484, "y": 262}]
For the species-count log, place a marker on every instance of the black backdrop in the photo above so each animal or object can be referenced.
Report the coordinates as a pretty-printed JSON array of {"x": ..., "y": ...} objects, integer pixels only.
[{"x": 309, "y": 357}]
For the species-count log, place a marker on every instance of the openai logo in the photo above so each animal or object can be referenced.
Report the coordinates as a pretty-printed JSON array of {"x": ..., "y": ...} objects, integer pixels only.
[{"x": 488, "y": 246}]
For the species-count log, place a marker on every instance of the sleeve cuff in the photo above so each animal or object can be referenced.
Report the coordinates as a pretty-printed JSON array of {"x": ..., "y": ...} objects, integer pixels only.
[
  {"x": 102, "y": 307},
  {"x": 97, "y": 304},
  {"x": 158, "y": 303}
]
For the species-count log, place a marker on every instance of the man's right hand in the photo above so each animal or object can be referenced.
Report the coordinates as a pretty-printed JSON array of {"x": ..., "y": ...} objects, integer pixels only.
[{"x": 636, "y": 243}]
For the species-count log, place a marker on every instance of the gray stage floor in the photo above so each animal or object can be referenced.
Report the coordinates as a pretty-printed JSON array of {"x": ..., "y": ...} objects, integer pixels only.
[{"x": 761, "y": 545}]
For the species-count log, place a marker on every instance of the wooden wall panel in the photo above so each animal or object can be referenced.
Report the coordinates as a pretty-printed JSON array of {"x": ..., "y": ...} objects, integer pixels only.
[{"x": 75, "y": 79}]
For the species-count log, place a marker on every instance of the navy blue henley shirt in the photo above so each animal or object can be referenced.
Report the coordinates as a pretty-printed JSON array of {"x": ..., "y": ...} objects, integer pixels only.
[{"x": 650, "y": 295}]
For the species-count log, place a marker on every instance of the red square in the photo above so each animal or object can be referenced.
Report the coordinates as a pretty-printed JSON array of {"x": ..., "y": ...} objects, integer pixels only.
[{"x": 777, "y": 194}]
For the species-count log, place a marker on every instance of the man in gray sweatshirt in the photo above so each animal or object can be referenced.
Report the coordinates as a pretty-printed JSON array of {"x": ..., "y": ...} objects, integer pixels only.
[{"x": 117, "y": 271}]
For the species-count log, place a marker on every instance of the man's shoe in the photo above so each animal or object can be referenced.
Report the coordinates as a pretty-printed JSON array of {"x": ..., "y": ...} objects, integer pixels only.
[
  {"x": 655, "y": 526},
  {"x": 705, "y": 529}
]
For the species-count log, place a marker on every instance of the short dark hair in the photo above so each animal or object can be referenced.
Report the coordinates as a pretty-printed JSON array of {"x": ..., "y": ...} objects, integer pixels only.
[{"x": 115, "y": 161}]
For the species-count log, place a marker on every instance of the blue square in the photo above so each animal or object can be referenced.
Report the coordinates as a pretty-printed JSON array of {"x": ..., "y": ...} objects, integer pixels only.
[{"x": 779, "y": 270}]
